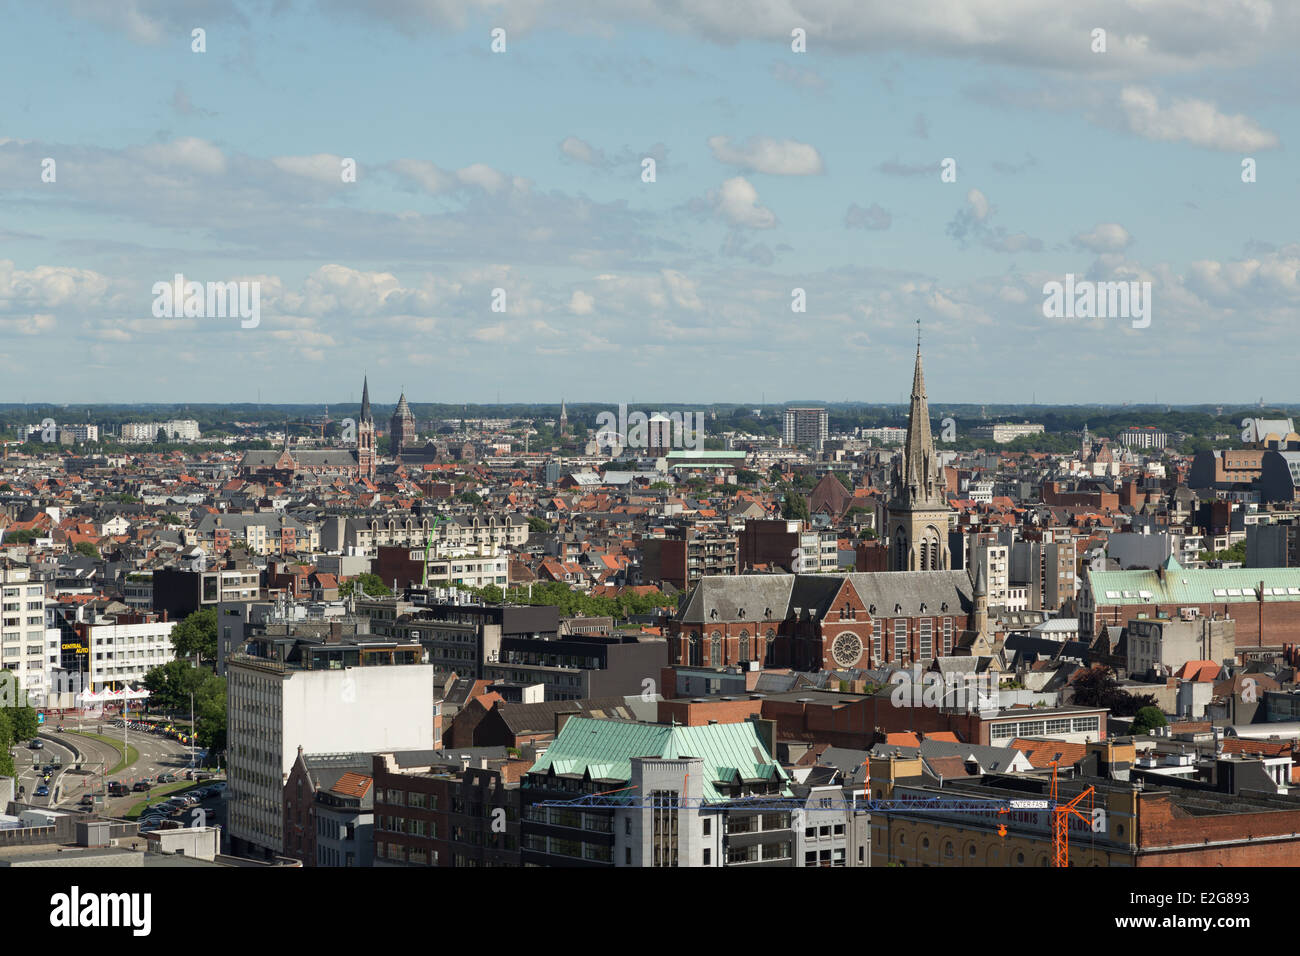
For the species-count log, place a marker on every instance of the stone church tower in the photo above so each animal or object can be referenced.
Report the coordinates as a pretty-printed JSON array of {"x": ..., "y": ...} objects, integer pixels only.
[
  {"x": 366, "y": 435},
  {"x": 402, "y": 427},
  {"x": 918, "y": 511}
]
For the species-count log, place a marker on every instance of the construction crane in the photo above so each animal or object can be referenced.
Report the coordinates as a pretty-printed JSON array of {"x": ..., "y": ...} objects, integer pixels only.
[{"x": 1061, "y": 820}]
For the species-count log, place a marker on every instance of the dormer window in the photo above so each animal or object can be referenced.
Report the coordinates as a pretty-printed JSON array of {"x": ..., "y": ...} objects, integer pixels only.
[{"x": 898, "y": 609}]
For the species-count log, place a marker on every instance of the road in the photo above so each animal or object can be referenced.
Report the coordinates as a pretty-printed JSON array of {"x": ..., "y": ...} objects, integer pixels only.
[{"x": 156, "y": 755}]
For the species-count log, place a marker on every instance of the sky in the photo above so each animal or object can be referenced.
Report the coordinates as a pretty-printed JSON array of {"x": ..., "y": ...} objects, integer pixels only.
[{"x": 501, "y": 240}]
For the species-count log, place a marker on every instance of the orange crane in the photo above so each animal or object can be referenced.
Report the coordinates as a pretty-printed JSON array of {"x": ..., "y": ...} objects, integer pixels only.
[{"x": 1061, "y": 821}]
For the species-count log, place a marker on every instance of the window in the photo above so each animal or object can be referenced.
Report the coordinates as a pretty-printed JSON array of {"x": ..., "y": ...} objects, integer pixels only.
[
  {"x": 900, "y": 638},
  {"x": 947, "y": 635},
  {"x": 927, "y": 638},
  {"x": 877, "y": 632}
]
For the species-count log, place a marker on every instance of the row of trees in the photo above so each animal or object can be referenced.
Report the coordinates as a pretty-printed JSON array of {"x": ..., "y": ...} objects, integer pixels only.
[{"x": 573, "y": 603}]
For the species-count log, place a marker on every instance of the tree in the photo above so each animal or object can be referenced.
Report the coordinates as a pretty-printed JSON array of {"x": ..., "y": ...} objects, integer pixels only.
[
  {"x": 1099, "y": 688},
  {"x": 371, "y": 584},
  {"x": 1146, "y": 719},
  {"x": 210, "y": 713},
  {"x": 86, "y": 548},
  {"x": 23, "y": 721},
  {"x": 171, "y": 684},
  {"x": 469, "y": 498},
  {"x": 7, "y": 768},
  {"x": 795, "y": 506},
  {"x": 197, "y": 635},
  {"x": 539, "y": 525}
]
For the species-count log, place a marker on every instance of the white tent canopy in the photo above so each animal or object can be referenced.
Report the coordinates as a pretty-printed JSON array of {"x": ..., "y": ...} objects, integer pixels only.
[{"x": 110, "y": 696}]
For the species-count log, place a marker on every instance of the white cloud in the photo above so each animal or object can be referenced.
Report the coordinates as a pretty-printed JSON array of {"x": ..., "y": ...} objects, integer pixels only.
[
  {"x": 579, "y": 150},
  {"x": 321, "y": 168},
  {"x": 187, "y": 153},
  {"x": 1104, "y": 237},
  {"x": 1198, "y": 122},
  {"x": 778, "y": 157},
  {"x": 580, "y": 303},
  {"x": 737, "y": 202}
]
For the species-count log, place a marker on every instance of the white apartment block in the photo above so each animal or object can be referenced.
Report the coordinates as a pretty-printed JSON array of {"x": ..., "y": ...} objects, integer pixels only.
[
  {"x": 22, "y": 628},
  {"x": 275, "y": 707},
  {"x": 477, "y": 568},
  {"x": 118, "y": 653},
  {"x": 175, "y": 430},
  {"x": 1003, "y": 432},
  {"x": 996, "y": 560},
  {"x": 1137, "y": 436},
  {"x": 365, "y": 535}
]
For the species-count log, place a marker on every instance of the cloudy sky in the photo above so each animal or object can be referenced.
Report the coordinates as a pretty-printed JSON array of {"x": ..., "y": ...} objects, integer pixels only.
[{"x": 523, "y": 171}]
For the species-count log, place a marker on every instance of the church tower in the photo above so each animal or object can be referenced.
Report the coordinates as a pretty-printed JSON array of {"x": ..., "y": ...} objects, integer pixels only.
[
  {"x": 918, "y": 511},
  {"x": 402, "y": 427},
  {"x": 366, "y": 435}
]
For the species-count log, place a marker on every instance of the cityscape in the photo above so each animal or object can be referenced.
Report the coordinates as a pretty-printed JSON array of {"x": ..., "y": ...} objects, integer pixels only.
[{"x": 621, "y": 459}]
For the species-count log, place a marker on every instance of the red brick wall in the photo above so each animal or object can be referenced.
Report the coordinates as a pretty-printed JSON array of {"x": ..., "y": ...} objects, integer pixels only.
[
  {"x": 1161, "y": 825},
  {"x": 690, "y": 714},
  {"x": 1281, "y": 620}
]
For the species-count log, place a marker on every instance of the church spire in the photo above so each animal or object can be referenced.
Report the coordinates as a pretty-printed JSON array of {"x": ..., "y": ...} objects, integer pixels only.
[
  {"x": 365, "y": 399},
  {"x": 915, "y": 481}
]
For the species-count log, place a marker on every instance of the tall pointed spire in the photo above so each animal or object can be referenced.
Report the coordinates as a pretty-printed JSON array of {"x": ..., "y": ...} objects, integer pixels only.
[
  {"x": 916, "y": 479},
  {"x": 365, "y": 399}
]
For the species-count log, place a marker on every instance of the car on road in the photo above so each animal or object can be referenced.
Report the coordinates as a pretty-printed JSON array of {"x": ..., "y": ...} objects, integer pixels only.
[
  {"x": 42, "y": 791},
  {"x": 117, "y": 788},
  {"x": 141, "y": 786},
  {"x": 36, "y": 745},
  {"x": 167, "y": 778}
]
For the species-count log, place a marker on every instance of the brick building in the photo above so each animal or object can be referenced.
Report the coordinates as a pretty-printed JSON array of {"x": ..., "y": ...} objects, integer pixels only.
[
  {"x": 447, "y": 809},
  {"x": 1263, "y": 602},
  {"x": 823, "y": 622}
]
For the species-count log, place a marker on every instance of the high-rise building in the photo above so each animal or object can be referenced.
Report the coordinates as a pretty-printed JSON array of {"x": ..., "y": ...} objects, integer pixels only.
[
  {"x": 918, "y": 510},
  {"x": 363, "y": 695},
  {"x": 806, "y": 426},
  {"x": 22, "y": 628}
]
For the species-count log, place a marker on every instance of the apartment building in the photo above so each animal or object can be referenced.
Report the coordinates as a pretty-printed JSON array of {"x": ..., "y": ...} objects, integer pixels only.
[
  {"x": 1143, "y": 436},
  {"x": 805, "y": 426},
  {"x": 121, "y": 649},
  {"x": 179, "y": 593},
  {"x": 684, "y": 555},
  {"x": 399, "y": 566},
  {"x": 361, "y": 695},
  {"x": 413, "y": 530},
  {"x": 679, "y": 809},
  {"x": 1003, "y": 432},
  {"x": 22, "y": 628},
  {"x": 457, "y": 809}
]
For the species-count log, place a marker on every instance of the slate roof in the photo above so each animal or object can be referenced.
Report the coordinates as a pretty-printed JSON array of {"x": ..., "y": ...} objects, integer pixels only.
[{"x": 756, "y": 594}]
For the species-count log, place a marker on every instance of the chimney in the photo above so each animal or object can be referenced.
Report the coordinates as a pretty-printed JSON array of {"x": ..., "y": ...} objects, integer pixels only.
[{"x": 561, "y": 718}]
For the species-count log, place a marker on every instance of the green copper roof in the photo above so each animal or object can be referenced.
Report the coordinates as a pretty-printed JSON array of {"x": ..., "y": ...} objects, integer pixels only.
[
  {"x": 605, "y": 748},
  {"x": 1193, "y": 586}
]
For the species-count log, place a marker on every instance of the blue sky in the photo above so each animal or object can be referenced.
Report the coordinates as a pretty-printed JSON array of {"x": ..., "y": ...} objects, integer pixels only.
[{"x": 521, "y": 170}]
